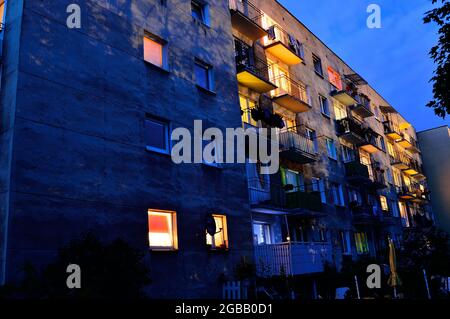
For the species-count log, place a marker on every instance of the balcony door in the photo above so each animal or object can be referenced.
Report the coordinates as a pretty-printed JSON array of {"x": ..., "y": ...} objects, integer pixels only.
[
  {"x": 262, "y": 233},
  {"x": 294, "y": 178},
  {"x": 365, "y": 160},
  {"x": 279, "y": 76}
]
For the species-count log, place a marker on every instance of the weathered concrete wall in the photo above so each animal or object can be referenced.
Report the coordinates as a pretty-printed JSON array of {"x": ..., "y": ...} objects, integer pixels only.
[
  {"x": 8, "y": 91},
  {"x": 80, "y": 157}
]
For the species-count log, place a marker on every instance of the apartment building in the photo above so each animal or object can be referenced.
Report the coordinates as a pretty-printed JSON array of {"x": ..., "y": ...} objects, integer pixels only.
[
  {"x": 351, "y": 173},
  {"x": 435, "y": 145},
  {"x": 86, "y": 119}
]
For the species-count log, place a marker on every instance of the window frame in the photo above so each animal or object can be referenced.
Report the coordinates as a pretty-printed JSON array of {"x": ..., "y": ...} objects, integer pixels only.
[
  {"x": 267, "y": 232},
  {"x": 209, "y": 73},
  {"x": 317, "y": 61},
  {"x": 362, "y": 240},
  {"x": 384, "y": 203},
  {"x": 168, "y": 130},
  {"x": 204, "y": 11},
  {"x": 333, "y": 142},
  {"x": 345, "y": 242},
  {"x": 164, "y": 50},
  {"x": 174, "y": 233},
  {"x": 323, "y": 100}
]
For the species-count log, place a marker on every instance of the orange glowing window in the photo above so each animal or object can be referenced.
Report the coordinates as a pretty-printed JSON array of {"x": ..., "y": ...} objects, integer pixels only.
[
  {"x": 220, "y": 238},
  {"x": 162, "y": 230},
  {"x": 155, "y": 51},
  {"x": 334, "y": 78}
]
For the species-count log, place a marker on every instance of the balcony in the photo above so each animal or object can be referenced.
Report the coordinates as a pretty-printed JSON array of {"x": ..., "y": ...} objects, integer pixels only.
[
  {"x": 291, "y": 258},
  {"x": 362, "y": 107},
  {"x": 413, "y": 168},
  {"x": 400, "y": 161},
  {"x": 266, "y": 195},
  {"x": 296, "y": 147},
  {"x": 290, "y": 94},
  {"x": 347, "y": 96},
  {"x": 408, "y": 143},
  {"x": 350, "y": 130},
  {"x": 391, "y": 131},
  {"x": 365, "y": 213},
  {"x": 359, "y": 174},
  {"x": 405, "y": 193},
  {"x": 283, "y": 46},
  {"x": 246, "y": 19},
  {"x": 370, "y": 144},
  {"x": 253, "y": 73}
]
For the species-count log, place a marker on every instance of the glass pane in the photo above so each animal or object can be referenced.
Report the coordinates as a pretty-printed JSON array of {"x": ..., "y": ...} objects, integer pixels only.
[
  {"x": 197, "y": 11},
  {"x": 153, "y": 52},
  {"x": 156, "y": 134},
  {"x": 160, "y": 233},
  {"x": 201, "y": 76}
]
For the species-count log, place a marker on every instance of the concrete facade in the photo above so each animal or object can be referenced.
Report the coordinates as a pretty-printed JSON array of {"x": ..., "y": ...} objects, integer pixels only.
[
  {"x": 73, "y": 154},
  {"x": 435, "y": 145}
]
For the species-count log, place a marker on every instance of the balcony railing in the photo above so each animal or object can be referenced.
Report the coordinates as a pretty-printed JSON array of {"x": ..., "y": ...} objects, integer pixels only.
[
  {"x": 264, "y": 193},
  {"x": 366, "y": 213},
  {"x": 347, "y": 95},
  {"x": 291, "y": 258},
  {"x": 291, "y": 94},
  {"x": 409, "y": 143},
  {"x": 400, "y": 160},
  {"x": 391, "y": 130},
  {"x": 362, "y": 107},
  {"x": 247, "y": 18},
  {"x": 283, "y": 45},
  {"x": 361, "y": 174},
  {"x": 296, "y": 146}
]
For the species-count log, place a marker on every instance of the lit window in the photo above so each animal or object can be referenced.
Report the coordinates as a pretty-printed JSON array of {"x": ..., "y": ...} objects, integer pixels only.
[
  {"x": 362, "y": 243},
  {"x": 339, "y": 110},
  {"x": 200, "y": 12},
  {"x": 345, "y": 242},
  {"x": 220, "y": 238},
  {"x": 334, "y": 78},
  {"x": 162, "y": 230},
  {"x": 384, "y": 204},
  {"x": 203, "y": 75},
  {"x": 246, "y": 106},
  {"x": 2, "y": 12},
  {"x": 157, "y": 135},
  {"x": 155, "y": 51},
  {"x": 324, "y": 107},
  {"x": 317, "y": 65},
  {"x": 331, "y": 148}
]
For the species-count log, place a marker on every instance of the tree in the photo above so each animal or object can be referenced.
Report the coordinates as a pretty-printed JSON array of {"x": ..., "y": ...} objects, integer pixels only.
[{"x": 441, "y": 56}]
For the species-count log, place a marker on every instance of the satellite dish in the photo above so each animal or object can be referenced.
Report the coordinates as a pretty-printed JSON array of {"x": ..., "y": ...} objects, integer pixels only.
[{"x": 211, "y": 227}]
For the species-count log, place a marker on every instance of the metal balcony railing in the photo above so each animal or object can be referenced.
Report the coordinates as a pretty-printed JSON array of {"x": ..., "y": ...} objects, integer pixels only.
[
  {"x": 266, "y": 193},
  {"x": 287, "y": 85},
  {"x": 290, "y": 138},
  {"x": 277, "y": 34},
  {"x": 248, "y": 9},
  {"x": 257, "y": 66}
]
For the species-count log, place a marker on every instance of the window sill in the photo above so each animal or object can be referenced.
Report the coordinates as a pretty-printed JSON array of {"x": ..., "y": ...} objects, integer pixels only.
[
  {"x": 163, "y": 250},
  {"x": 206, "y": 90},
  {"x": 156, "y": 67},
  {"x": 201, "y": 23},
  {"x": 326, "y": 115}
]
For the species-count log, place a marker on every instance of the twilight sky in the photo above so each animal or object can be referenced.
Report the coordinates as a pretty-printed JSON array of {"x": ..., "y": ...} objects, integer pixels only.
[{"x": 393, "y": 59}]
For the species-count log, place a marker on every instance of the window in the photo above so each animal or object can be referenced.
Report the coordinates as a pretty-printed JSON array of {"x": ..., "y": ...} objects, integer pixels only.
[
  {"x": 162, "y": 230},
  {"x": 391, "y": 149},
  {"x": 289, "y": 177},
  {"x": 262, "y": 234},
  {"x": 397, "y": 177},
  {"x": 338, "y": 195},
  {"x": 324, "y": 107},
  {"x": 389, "y": 175},
  {"x": 348, "y": 154},
  {"x": 319, "y": 186},
  {"x": 212, "y": 149},
  {"x": 354, "y": 196},
  {"x": 383, "y": 144},
  {"x": 203, "y": 75},
  {"x": 2, "y": 12},
  {"x": 403, "y": 214},
  {"x": 334, "y": 78},
  {"x": 376, "y": 112},
  {"x": 312, "y": 135},
  {"x": 220, "y": 238},
  {"x": 394, "y": 205},
  {"x": 384, "y": 203},
  {"x": 331, "y": 148},
  {"x": 345, "y": 242},
  {"x": 362, "y": 243},
  {"x": 200, "y": 12},
  {"x": 317, "y": 65},
  {"x": 246, "y": 106},
  {"x": 155, "y": 51},
  {"x": 157, "y": 135},
  {"x": 339, "y": 110}
]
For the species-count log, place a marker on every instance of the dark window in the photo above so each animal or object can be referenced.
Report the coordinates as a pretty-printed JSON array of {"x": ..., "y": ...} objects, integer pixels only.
[
  {"x": 203, "y": 74},
  {"x": 157, "y": 135},
  {"x": 324, "y": 107},
  {"x": 317, "y": 65},
  {"x": 199, "y": 11}
]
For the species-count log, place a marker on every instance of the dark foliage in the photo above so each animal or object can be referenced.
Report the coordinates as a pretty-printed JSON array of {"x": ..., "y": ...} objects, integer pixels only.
[
  {"x": 441, "y": 56},
  {"x": 108, "y": 271}
]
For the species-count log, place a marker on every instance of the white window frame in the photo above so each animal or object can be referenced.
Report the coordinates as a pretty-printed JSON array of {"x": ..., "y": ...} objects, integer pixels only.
[{"x": 173, "y": 227}]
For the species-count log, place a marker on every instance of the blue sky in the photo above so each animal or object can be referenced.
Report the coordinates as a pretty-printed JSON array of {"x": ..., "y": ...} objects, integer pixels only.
[{"x": 393, "y": 59}]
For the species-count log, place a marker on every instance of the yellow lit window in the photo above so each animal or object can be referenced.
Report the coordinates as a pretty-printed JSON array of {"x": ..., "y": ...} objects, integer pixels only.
[
  {"x": 339, "y": 110},
  {"x": 162, "y": 230},
  {"x": 220, "y": 239},
  {"x": 384, "y": 204},
  {"x": 246, "y": 106},
  {"x": 361, "y": 243},
  {"x": 154, "y": 51}
]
